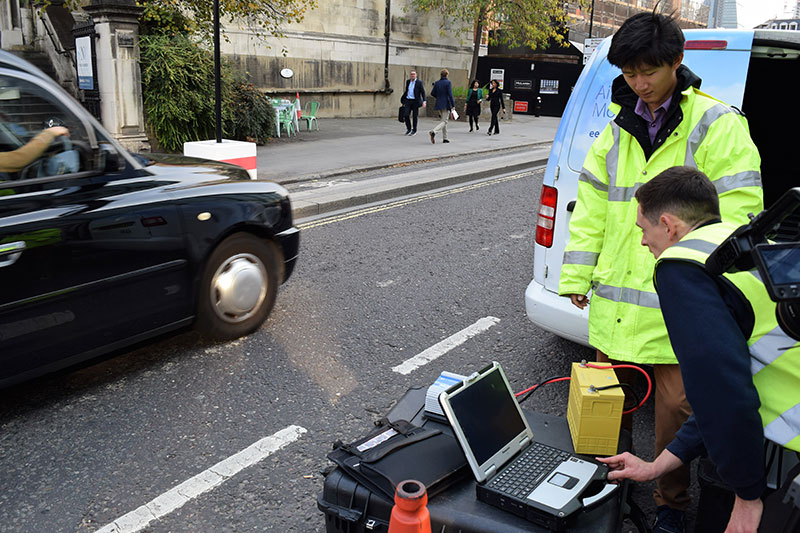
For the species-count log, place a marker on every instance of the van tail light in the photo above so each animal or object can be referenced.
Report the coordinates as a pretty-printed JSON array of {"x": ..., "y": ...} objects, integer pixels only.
[
  {"x": 705, "y": 45},
  {"x": 547, "y": 216}
]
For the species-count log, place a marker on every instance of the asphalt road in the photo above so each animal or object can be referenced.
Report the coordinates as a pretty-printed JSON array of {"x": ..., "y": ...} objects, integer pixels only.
[{"x": 372, "y": 289}]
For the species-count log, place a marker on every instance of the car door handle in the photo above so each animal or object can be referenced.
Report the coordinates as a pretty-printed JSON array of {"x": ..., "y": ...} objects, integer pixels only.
[
  {"x": 10, "y": 252},
  {"x": 571, "y": 206}
]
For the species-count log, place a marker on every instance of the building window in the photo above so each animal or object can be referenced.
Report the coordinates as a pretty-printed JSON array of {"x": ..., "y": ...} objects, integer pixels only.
[
  {"x": 793, "y": 26},
  {"x": 784, "y": 26},
  {"x": 548, "y": 87}
]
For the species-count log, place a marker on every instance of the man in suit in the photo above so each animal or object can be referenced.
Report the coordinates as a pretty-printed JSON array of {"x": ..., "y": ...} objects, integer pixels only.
[
  {"x": 413, "y": 98},
  {"x": 443, "y": 92}
]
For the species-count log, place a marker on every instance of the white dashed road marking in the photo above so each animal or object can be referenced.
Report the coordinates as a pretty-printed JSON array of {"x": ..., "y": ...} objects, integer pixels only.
[
  {"x": 176, "y": 497},
  {"x": 441, "y": 348}
]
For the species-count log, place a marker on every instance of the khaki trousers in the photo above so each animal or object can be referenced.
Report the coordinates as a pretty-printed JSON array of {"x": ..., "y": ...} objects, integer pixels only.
[
  {"x": 444, "y": 116},
  {"x": 671, "y": 410}
]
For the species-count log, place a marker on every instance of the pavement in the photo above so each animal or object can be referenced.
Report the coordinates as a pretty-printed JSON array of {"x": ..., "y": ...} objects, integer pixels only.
[{"x": 354, "y": 161}]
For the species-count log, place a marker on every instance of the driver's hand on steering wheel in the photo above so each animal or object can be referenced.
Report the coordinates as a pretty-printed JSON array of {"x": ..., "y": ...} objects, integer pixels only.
[{"x": 58, "y": 131}]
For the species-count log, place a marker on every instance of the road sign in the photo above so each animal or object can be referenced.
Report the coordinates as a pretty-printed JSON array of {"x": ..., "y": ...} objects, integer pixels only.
[{"x": 589, "y": 46}]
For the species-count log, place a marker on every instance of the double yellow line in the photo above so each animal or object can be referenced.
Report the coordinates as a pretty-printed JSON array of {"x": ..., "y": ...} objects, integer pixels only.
[{"x": 409, "y": 201}]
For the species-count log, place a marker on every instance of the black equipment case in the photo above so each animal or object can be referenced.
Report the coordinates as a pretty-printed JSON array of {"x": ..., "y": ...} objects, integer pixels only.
[{"x": 352, "y": 508}]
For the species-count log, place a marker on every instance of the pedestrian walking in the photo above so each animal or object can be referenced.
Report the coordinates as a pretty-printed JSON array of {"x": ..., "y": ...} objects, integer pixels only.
[
  {"x": 412, "y": 99},
  {"x": 495, "y": 97},
  {"x": 473, "y": 106},
  {"x": 443, "y": 92}
]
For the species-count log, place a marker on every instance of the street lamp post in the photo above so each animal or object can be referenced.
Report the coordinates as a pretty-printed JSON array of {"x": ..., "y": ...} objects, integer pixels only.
[{"x": 217, "y": 81}]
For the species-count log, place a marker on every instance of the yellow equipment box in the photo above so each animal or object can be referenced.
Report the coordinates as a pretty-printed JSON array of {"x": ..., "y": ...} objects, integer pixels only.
[{"x": 593, "y": 415}]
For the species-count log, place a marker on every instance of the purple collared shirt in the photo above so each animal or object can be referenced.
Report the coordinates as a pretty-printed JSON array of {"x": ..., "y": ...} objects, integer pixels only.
[{"x": 655, "y": 120}]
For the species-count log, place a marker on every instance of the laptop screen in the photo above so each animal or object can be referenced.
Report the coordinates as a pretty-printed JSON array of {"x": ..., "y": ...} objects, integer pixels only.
[{"x": 487, "y": 414}]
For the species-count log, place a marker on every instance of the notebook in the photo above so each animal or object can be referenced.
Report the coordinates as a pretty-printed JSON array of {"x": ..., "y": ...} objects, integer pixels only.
[{"x": 544, "y": 485}]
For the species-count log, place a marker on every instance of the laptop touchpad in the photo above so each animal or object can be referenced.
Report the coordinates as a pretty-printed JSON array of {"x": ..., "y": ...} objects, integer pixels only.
[{"x": 564, "y": 483}]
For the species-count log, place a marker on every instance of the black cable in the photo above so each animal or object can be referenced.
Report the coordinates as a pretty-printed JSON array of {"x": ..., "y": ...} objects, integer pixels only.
[
  {"x": 627, "y": 386},
  {"x": 545, "y": 382}
]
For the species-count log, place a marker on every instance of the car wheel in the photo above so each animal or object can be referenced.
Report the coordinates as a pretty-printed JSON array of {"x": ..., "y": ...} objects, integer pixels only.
[{"x": 240, "y": 282}]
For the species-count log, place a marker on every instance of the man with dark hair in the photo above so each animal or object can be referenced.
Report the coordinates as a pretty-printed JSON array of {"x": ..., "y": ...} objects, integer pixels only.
[
  {"x": 412, "y": 99},
  {"x": 741, "y": 371},
  {"x": 443, "y": 92},
  {"x": 662, "y": 120}
]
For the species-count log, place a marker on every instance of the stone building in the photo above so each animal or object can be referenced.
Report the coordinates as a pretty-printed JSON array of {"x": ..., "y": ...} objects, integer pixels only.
[{"x": 345, "y": 56}]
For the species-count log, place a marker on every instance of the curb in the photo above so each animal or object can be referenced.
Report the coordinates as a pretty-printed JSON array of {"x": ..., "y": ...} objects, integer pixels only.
[
  {"x": 403, "y": 163},
  {"x": 322, "y": 207}
]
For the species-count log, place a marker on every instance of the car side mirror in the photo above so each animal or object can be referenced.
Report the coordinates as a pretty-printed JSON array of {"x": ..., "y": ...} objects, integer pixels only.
[{"x": 108, "y": 160}]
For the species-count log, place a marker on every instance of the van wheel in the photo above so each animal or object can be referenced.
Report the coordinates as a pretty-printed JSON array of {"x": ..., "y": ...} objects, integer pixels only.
[{"x": 239, "y": 286}]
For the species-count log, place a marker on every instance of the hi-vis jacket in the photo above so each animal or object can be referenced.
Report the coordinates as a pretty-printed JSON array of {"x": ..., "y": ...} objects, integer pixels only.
[
  {"x": 774, "y": 356},
  {"x": 604, "y": 251}
]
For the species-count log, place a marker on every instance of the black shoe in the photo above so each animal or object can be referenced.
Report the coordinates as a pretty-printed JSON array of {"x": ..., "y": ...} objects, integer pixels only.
[
  {"x": 668, "y": 520},
  {"x": 470, "y": 130},
  {"x": 432, "y": 138},
  {"x": 445, "y": 141},
  {"x": 488, "y": 133},
  {"x": 408, "y": 132},
  {"x": 413, "y": 132},
  {"x": 477, "y": 127}
]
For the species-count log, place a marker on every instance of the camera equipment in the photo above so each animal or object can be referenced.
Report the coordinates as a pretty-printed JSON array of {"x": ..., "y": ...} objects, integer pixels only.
[{"x": 770, "y": 243}]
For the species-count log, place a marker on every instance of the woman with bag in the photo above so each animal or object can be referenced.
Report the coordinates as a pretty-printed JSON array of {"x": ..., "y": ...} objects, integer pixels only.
[
  {"x": 495, "y": 97},
  {"x": 473, "y": 106}
]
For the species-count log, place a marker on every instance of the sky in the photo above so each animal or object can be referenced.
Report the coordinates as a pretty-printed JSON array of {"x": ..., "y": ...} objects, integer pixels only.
[{"x": 754, "y": 12}]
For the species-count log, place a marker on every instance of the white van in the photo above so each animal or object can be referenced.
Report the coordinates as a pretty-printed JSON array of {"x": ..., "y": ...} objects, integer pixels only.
[{"x": 757, "y": 71}]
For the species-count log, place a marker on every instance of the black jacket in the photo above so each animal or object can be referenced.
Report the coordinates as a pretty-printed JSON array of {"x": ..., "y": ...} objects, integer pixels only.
[
  {"x": 419, "y": 92},
  {"x": 495, "y": 98},
  {"x": 628, "y": 120}
]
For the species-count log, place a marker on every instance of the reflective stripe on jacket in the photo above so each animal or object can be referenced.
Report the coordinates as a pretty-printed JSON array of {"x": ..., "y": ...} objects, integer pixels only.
[
  {"x": 774, "y": 356},
  {"x": 604, "y": 251}
]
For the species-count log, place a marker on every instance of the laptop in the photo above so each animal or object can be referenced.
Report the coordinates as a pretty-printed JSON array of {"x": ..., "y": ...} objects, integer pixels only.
[{"x": 540, "y": 483}]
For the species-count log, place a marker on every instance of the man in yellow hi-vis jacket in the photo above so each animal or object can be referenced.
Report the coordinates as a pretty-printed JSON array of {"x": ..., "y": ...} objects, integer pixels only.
[{"x": 662, "y": 120}]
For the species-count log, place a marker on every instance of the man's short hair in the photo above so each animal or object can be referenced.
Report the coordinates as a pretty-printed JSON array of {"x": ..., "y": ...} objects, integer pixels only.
[
  {"x": 651, "y": 39},
  {"x": 444, "y": 73},
  {"x": 682, "y": 191}
]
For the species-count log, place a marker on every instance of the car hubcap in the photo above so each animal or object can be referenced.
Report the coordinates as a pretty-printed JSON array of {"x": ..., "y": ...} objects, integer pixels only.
[{"x": 239, "y": 287}]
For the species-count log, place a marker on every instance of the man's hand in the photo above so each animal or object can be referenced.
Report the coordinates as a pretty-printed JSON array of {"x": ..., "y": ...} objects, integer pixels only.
[
  {"x": 745, "y": 516},
  {"x": 579, "y": 300},
  {"x": 424, "y": 103},
  {"x": 628, "y": 466},
  {"x": 58, "y": 131}
]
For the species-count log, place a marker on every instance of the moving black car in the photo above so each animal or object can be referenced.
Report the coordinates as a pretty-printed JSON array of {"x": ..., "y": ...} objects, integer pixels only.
[{"x": 101, "y": 248}]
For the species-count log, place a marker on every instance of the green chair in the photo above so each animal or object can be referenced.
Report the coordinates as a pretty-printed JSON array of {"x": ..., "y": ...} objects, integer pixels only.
[
  {"x": 287, "y": 121},
  {"x": 309, "y": 114}
]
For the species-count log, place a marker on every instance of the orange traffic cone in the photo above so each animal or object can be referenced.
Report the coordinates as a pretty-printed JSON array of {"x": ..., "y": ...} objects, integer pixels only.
[
  {"x": 410, "y": 514},
  {"x": 298, "y": 109}
]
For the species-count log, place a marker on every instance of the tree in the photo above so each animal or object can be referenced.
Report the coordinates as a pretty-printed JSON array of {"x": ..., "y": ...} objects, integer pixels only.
[
  {"x": 532, "y": 23},
  {"x": 262, "y": 17}
]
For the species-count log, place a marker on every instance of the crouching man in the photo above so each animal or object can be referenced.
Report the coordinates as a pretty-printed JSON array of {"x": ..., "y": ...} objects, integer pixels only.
[{"x": 741, "y": 372}]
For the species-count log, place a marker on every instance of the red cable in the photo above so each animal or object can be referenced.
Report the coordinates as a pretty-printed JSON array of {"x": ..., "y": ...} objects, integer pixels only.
[
  {"x": 540, "y": 384},
  {"x": 646, "y": 375},
  {"x": 590, "y": 365}
]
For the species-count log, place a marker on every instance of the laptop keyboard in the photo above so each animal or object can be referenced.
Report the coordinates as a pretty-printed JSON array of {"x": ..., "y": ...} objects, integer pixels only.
[{"x": 520, "y": 477}]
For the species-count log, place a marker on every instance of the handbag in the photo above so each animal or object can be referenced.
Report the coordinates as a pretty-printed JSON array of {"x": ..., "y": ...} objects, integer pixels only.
[
  {"x": 397, "y": 451},
  {"x": 401, "y": 114},
  {"x": 454, "y": 113}
]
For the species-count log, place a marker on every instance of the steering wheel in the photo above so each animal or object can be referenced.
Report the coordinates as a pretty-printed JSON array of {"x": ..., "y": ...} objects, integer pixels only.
[{"x": 59, "y": 145}]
